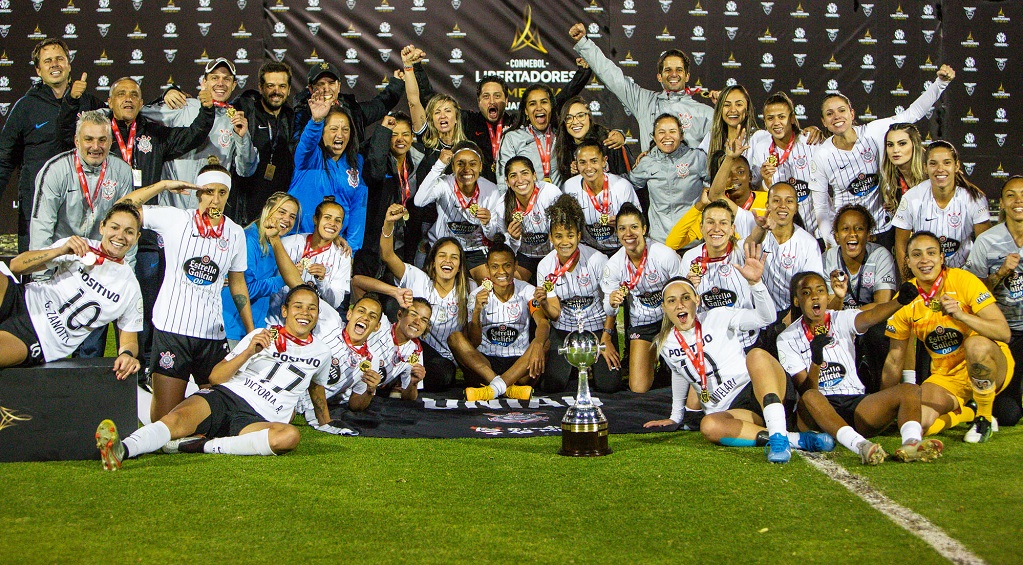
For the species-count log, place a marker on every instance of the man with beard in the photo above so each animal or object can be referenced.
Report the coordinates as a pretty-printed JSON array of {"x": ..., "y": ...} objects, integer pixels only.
[
  {"x": 270, "y": 121},
  {"x": 27, "y": 139}
]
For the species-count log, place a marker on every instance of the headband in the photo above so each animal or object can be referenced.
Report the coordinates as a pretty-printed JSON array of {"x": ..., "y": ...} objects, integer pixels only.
[
  {"x": 209, "y": 177},
  {"x": 470, "y": 150},
  {"x": 680, "y": 280}
]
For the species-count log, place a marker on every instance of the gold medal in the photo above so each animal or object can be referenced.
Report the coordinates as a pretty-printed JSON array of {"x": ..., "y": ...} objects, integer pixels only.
[
  {"x": 772, "y": 160},
  {"x": 605, "y": 219},
  {"x": 624, "y": 288},
  {"x": 548, "y": 286},
  {"x": 303, "y": 265},
  {"x": 405, "y": 216},
  {"x": 231, "y": 111},
  {"x": 413, "y": 359},
  {"x": 487, "y": 285},
  {"x": 518, "y": 216},
  {"x": 214, "y": 212},
  {"x": 935, "y": 305},
  {"x": 365, "y": 365},
  {"x": 474, "y": 208},
  {"x": 705, "y": 396},
  {"x": 820, "y": 330},
  {"x": 696, "y": 269},
  {"x": 273, "y": 334}
]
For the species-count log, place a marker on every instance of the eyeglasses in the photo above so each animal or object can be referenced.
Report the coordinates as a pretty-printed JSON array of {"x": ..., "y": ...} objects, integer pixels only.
[{"x": 576, "y": 117}]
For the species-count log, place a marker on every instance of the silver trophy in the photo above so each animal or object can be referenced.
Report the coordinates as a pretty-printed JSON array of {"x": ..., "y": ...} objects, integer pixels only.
[{"x": 584, "y": 427}]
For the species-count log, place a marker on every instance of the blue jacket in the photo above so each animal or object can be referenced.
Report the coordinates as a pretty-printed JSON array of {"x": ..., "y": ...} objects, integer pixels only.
[
  {"x": 317, "y": 176},
  {"x": 263, "y": 280}
]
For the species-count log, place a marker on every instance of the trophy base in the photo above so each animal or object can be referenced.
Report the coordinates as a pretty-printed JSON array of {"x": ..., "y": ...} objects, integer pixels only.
[{"x": 586, "y": 440}]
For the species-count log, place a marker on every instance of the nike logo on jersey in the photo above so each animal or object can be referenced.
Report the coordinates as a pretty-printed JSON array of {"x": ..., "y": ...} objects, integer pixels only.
[
  {"x": 842, "y": 168},
  {"x": 42, "y": 124},
  {"x": 930, "y": 219},
  {"x": 263, "y": 127}
]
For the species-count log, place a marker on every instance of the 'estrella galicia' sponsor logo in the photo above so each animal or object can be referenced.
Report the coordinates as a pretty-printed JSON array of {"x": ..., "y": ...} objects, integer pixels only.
[
  {"x": 944, "y": 340},
  {"x": 202, "y": 271}
]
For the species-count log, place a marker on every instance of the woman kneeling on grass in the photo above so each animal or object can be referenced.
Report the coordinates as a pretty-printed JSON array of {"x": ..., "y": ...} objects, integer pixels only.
[
  {"x": 742, "y": 394},
  {"x": 819, "y": 351},
  {"x": 255, "y": 389}
]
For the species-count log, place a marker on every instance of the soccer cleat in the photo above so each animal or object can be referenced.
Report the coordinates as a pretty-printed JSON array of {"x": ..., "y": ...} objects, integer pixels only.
[
  {"x": 871, "y": 453},
  {"x": 925, "y": 450},
  {"x": 777, "y": 448},
  {"x": 109, "y": 443},
  {"x": 519, "y": 392},
  {"x": 816, "y": 441},
  {"x": 174, "y": 445},
  {"x": 980, "y": 431},
  {"x": 193, "y": 445},
  {"x": 480, "y": 393}
]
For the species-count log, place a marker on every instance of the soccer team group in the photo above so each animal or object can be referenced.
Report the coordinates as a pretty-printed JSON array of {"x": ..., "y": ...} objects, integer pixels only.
[{"x": 472, "y": 241}]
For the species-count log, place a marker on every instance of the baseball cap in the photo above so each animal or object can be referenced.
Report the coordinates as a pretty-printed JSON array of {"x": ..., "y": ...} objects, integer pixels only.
[
  {"x": 219, "y": 62},
  {"x": 320, "y": 69}
]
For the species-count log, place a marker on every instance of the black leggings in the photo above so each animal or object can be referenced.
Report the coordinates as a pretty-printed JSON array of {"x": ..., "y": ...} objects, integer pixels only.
[
  {"x": 559, "y": 371},
  {"x": 1009, "y": 404},
  {"x": 440, "y": 371}
]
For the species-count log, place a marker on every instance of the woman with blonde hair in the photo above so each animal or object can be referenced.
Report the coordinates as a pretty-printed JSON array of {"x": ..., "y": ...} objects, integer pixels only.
[
  {"x": 443, "y": 123},
  {"x": 902, "y": 166}
]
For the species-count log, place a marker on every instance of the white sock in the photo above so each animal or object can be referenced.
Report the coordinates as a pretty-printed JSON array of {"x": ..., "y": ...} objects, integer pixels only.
[
  {"x": 255, "y": 443},
  {"x": 911, "y": 432},
  {"x": 774, "y": 418},
  {"x": 147, "y": 439},
  {"x": 850, "y": 438},
  {"x": 794, "y": 440},
  {"x": 499, "y": 386}
]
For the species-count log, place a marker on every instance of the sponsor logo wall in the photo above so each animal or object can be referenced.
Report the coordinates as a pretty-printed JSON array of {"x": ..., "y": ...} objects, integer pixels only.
[{"x": 881, "y": 54}]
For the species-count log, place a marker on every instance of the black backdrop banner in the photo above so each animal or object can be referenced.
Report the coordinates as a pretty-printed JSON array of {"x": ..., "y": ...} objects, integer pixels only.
[{"x": 881, "y": 54}]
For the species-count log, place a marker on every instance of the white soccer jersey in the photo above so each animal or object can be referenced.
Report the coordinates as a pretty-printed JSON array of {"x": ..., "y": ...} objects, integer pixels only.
[
  {"x": 662, "y": 263},
  {"x": 795, "y": 170},
  {"x": 953, "y": 225},
  {"x": 876, "y": 273},
  {"x": 444, "y": 318},
  {"x": 345, "y": 376},
  {"x": 396, "y": 360},
  {"x": 783, "y": 261},
  {"x": 721, "y": 284},
  {"x": 453, "y": 217},
  {"x": 578, "y": 289},
  {"x": 189, "y": 302},
  {"x": 745, "y": 222},
  {"x": 723, "y": 353},
  {"x": 535, "y": 241},
  {"x": 80, "y": 299},
  {"x": 273, "y": 381},
  {"x": 337, "y": 283},
  {"x": 596, "y": 235},
  {"x": 838, "y": 373},
  {"x": 505, "y": 325},
  {"x": 987, "y": 256},
  {"x": 853, "y": 174}
]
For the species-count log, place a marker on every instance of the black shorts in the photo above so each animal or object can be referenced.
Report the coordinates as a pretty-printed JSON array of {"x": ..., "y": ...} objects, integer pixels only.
[
  {"x": 475, "y": 258},
  {"x": 229, "y": 413},
  {"x": 179, "y": 356},
  {"x": 646, "y": 332},
  {"x": 528, "y": 263},
  {"x": 845, "y": 405},
  {"x": 500, "y": 365},
  {"x": 17, "y": 322},
  {"x": 747, "y": 400}
]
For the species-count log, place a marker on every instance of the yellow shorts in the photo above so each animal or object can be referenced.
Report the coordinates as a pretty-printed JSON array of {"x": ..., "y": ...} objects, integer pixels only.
[{"x": 959, "y": 386}]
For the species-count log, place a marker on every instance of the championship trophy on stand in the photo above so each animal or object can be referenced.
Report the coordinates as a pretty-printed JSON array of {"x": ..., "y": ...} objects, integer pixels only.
[{"x": 584, "y": 427}]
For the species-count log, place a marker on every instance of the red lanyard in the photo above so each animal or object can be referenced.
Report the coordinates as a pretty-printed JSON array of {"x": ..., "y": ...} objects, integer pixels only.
[
  {"x": 784, "y": 156},
  {"x": 749, "y": 201},
  {"x": 810, "y": 334},
  {"x": 89, "y": 198},
  {"x": 221, "y": 104},
  {"x": 602, "y": 203},
  {"x": 562, "y": 269},
  {"x": 362, "y": 352},
  {"x": 689, "y": 91},
  {"x": 903, "y": 184},
  {"x": 697, "y": 358},
  {"x": 100, "y": 256},
  {"x": 929, "y": 296},
  {"x": 706, "y": 259},
  {"x": 495, "y": 137},
  {"x": 635, "y": 274},
  {"x": 283, "y": 337},
  {"x": 419, "y": 347},
  {"x": 202, "y": 223},
  {"x": 467, "y": 203},
  {"x": 308, "y": 251},
  {"x": 529, "y": 205},
  {"x": 406, "y": 188},
  {"x": 545, "y": 150},
  {"x": 129, "y": 148}
]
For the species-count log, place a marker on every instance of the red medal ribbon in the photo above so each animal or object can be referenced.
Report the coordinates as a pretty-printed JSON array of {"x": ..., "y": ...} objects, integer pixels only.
[
  {"x": 634, "y": 275},
  {"x": 809, "y": 332},
  {"x": 749, "y": 201},
  {"x": 602, "y": 203},
  {"x": 89, "y": 198},
  {"x": 465, "y": 203},
  {"x": 495, "y": 137},
  {"x": 562, "y": 269},
  {"x": 308, "y": 251},
  {"x": 403, "y": 184},
  {"x": 221, "y": 104},
  {"x": 784, "y": 156},
  {"x": 362, "y": 352},
  {"x": 206, "y": 229},
  {"x": 697, "y": 358},
  {"x": 903, "y": 184},
  {"x": 283, "y": 337},
  {"x": 100, "y": 256},
  {"x": 394, "y": 338},
  {"x": 706, "y": 259},
  {"x": 929, "y": 296},
  {"x": 126, "y": 148},
  {"x": 529, "y": 205},
  {"x": 544, "y": 149}
]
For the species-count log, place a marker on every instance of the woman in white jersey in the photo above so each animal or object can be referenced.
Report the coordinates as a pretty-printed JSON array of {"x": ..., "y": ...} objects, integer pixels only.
[
  {"x": 570, "y": 296},
  {"x": 465, "y": 202},
  {"x": 249, "y": 409},
  {"x": 203, "y": 247},
  {"x": 819, "y": 351},
  {"x": 323, "y": 257},
  {"x": 524, "y": 215},
  {"x": 533, "y": 135},
  {"x": 402, "y": 359},
  {"x": 505, "y": 341},
  {"x": 600, "y": 194},
  {"x": 747, "y": 398},
  {"x": 91, "y": 286},
  {"x": 634, "y": 277},
  {"x": 849, "y": 161},
  {"x": 902, "y": 166},
  {"x": 946, "y": 204},
  {"x": 732, "y": 120}
]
